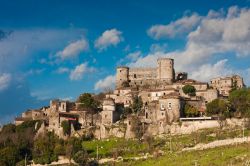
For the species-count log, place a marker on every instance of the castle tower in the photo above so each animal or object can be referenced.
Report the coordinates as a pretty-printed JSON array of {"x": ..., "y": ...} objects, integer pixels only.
[
  {"x": 121, "y": 75},
  {"x": 165, "y": 70}
]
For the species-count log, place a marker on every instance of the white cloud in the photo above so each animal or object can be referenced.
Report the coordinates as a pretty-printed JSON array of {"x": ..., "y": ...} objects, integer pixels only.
[
  {"x": 42, "y": 94},
  {"x": 18, "y": 46},
  {"x": 208, "y": 71},
  {"x": 5, "y": 80},
  {"x": 133, "y": 56},
  {"x": 34, "y": 72},
  {"x": 108, "y": 38},
  {"x": 79, "y": 71},
  {"x": 158, "y": 47},
  {"x": 180, "y": 26},
  {"x": 216, "y": 34},
  {"x": 105, "y": 83},
  {"x": 62, "y": 70},
  {"x": 73, "y": 49},
  {"x": 230, "y": 33},
  {"x": 69, "y": 98}
]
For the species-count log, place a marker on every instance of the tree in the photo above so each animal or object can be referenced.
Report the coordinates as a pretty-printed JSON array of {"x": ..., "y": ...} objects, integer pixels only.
[
  {"x": 73, "y": 146},
  {"x": 126, "y": 112},
  {"x": 190, "y": 111},
  {"x": 137, "y": 104},
  {"x": 137, "y": 127},
  {"x": 189, "y": 90},
  {"x": 87, "y": 102},
  {"x": 217, "y": 107},
  {"x": 240, "y": 101},
  {"x": 66, "y": 127},
  {"x": 43, "y": 151}
]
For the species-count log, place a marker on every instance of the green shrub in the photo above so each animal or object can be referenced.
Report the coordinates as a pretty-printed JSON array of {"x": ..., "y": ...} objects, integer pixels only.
[
  {"x": 189, "y": 89},
  {"x": 66, "y": 127}
]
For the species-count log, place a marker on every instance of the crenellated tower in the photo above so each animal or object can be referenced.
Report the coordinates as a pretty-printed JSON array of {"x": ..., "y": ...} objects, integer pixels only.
[
  {"x": 122, "y": 74},
  {"x": 165, "y": 70}
]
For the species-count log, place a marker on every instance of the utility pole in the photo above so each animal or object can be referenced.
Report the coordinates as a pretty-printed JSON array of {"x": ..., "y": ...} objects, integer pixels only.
[
  {"x": 196, "y": 162},
  {"x": 170, "y": 143},
  {"x": 25, "y": 160},
  {"x": 97, "y": 149},
  {"x": 243, "y": 128}
]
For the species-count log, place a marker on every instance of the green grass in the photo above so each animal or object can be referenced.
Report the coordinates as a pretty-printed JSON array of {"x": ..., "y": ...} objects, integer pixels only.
[
  {"x": 134, "y": 148},
  {"x": 114, "y": 146},
  {"x": 227, "y": 155}
]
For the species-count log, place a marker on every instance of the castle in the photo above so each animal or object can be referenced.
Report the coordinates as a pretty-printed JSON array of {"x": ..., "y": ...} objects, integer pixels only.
[{"x": 161, "y": 91}]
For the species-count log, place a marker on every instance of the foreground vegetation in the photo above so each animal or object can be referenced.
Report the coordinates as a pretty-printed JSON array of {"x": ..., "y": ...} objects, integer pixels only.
[{"x": 236, "y": 155}]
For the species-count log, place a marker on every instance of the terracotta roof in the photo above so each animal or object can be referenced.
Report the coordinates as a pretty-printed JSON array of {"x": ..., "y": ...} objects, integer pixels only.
[
  {"x": 159, "y": 90},
  {"x": 171, "y": 95}
]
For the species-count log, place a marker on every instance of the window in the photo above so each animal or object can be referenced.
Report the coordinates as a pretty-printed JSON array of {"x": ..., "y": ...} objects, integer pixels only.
[
  {"x": 134, "y": 75},
  {"x": 162, "y": 107},
  {"x": 169, "y": 105},
  {"x": 146, "y": 115}
]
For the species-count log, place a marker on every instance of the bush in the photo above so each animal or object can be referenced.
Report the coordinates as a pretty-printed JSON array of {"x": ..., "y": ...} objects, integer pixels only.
[
  {"x": 189, "y": 90},
  {"x": 81, "y": 157},
  {"x": 9, "y": 155},
  {"x": 8, "y": 128},
  {"x": 190, "y": 111},
  {"x": 27, "y": 124}
]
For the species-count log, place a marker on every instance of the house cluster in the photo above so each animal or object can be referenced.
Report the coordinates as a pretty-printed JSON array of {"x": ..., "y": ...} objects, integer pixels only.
[{"x": 159, "y": 88}]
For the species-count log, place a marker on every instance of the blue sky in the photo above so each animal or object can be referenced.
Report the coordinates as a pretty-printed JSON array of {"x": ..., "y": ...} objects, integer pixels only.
[{"x": 59, "y": 49}]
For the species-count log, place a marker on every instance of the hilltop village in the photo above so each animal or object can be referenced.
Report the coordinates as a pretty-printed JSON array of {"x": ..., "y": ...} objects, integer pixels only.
[{"x": 159, "y": 91}]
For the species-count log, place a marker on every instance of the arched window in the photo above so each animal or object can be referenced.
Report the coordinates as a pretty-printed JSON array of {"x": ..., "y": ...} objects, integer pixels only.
[{"x": 146, "y": 115}]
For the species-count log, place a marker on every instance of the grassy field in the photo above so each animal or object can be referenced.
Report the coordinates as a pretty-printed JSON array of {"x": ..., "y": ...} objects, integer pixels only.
[
  {"x": 172, "y": 146},
  {"x": 115, "y": 147},
  {"x": 223, "y": 156}
]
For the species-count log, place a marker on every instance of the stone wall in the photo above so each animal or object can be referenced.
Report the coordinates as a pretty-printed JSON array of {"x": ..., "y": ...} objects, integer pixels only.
[
  {"x": 136, "y": 74},
  {"x": 209, "y": 95},
  {"x": 187, "y": 127}
]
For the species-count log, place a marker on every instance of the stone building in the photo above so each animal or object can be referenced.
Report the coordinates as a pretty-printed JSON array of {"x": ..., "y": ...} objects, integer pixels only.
[
  {"x": 225, "y": 84},
  {"x": 163, "y": 74},
  {"x": 163, "y": 99},
  {"x": 109, "y": 113}
]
